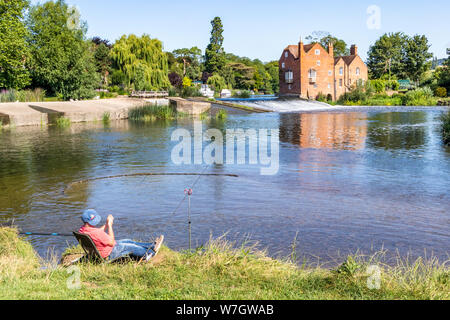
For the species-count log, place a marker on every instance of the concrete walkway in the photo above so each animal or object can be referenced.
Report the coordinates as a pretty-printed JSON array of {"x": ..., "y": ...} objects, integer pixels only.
[{"x": 42, "y": 113}]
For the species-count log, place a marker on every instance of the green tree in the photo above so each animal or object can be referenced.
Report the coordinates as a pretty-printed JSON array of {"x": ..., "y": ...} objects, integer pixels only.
[
  {"x": 325, "y": 38},
  {"x": 190, "y": 59},
  {"x": 62, "y": 62},
  {"x": 103, "y": 61},
  {"x": 214, "y": 54},
  {"x": 217, "y": 83},
  {"x": 13, "y": 47},
  {"x": 387, "y": 56},
  {"x": 443, "y": 75},
  {"x": 272, "y": 69},
  {"x": 142, "y": 61},
  {"x": 417, "y": 58}
]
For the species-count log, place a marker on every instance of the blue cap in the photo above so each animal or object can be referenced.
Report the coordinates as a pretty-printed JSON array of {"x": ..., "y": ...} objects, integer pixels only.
[{"x": 92, "y": 217}]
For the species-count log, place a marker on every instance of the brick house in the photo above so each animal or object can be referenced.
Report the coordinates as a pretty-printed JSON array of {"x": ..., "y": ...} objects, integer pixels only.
[{"x": 307, "y": 70}]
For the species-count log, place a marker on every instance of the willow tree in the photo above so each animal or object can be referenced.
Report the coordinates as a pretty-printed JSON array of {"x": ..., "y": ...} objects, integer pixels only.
[{"x": 142, "y": 61}]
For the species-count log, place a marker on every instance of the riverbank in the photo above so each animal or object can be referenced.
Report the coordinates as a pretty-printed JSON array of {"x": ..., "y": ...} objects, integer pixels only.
[
  {"x": 44, "y": 113},
  {"x": 217, "y": 271}
]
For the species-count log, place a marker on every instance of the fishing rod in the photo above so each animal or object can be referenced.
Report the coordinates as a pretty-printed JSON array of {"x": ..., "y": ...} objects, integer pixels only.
[
  {"x": 55, "y": 234},
  {"x": 41, "y": 234}
]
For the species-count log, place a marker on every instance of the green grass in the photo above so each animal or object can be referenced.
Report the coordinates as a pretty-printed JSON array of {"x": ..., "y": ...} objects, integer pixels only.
[
  {"x": 446, "y": 128},
  {"x": 106, "y": 119},
  {"x": 221, "y": 115},
  {"x": 150, "y": 113},
  {"x": 63, "y": 122},
  {"x": 215, "y": 271}
]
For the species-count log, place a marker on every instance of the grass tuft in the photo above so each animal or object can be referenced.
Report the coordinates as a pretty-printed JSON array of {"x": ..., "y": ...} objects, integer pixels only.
[
  {"x": 221, "y": 115},
  {"x": 63, "y": 122},
  {"x": 106, "y": 119},
  {"x": 150, "y": 113}
]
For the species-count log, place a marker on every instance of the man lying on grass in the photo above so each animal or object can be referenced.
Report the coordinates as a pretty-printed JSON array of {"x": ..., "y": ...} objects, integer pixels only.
[{"x": 105, "y": 241}]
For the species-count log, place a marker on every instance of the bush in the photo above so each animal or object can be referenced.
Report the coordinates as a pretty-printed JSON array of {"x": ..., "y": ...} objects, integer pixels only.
[
  {"x": 245, "y": 94},
  {"x": 446, "y": 128},
  {"x": 321, "y": 97},
  {"x": 36, "y": 95},
  {"x": 358, "y": 95},
  {"x": 190, "y": 92},
  {"x": 419, "y": 97},
  {"x": 379, "y": 85},
  {"x": 441, "y": 92}
]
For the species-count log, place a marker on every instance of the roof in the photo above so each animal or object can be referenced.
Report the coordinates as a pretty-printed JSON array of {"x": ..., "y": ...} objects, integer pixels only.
[
  {"x": 349, "y": 59},
  {"x": 293, "y": 49}
]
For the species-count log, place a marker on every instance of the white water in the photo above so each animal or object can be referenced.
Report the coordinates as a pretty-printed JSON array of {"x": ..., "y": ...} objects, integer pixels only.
[{"x": 288, "y": 105}]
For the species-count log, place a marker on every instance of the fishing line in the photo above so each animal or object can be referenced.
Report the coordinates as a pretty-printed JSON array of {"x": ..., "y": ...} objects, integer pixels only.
[{"x": 69, "y": 186}]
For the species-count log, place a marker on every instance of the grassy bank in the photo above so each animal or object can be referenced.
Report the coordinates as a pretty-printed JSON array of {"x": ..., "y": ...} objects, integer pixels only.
[{"x": 216, "y": 271}]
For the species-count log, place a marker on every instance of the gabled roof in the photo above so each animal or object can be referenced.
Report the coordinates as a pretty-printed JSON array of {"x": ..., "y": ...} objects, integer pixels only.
[
  {"x": 308, "y": 47},
  {"x": 336, "y": 60},
  {"x": 349, "y": 59},
  {"x": 293, "y": 49}
]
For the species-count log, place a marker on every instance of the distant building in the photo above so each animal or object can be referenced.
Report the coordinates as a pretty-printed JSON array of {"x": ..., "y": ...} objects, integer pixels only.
[
  {"x": 308, "y": 70},
  {"x": 225, "y": 93},
  {"x": 206, "y": 91}
]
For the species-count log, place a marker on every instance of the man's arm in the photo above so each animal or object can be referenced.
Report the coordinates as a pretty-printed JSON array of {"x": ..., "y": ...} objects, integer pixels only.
[{"x": 110, "y": 231}]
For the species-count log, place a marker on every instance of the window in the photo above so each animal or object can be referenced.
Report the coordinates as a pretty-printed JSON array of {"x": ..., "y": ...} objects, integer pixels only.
[
  {"x": 341, "y": 71},
  {"x": 312, "y": 75},
  {"x": 329, "y": 86},
  {"x": 289, "y": 87},
  {"x": 330, "y": 73},
  {"x": 340, "y": 82},
  {"x": 318, "y": 63},
  {"x": 289, "y": 77},
  {"x": 283, "y": 65},
  {"x": 317, "y": 52},
  {"x": 358, "y": 71},
  {"x": 286, "y": 54}
]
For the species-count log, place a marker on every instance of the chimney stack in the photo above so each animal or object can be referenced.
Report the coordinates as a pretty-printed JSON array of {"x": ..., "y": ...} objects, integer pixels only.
[
  {"x": 354, "y": 50},
  {"x": 300, "y": 48},
  {"x": 331, "y": 49}
]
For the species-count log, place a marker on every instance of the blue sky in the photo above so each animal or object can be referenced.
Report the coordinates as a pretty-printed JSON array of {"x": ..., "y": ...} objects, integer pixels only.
[{"x": 262, "y": 29}]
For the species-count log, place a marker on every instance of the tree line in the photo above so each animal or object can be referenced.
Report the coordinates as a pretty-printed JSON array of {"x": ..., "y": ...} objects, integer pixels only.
[{"x": 45, "y": 46}]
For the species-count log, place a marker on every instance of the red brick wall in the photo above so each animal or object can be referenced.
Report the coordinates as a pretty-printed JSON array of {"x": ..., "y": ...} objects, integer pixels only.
[
  {"x": 323, "y": 78},
  {"x": 290, "y": 64},
  {"x": 328, "y": 78}
]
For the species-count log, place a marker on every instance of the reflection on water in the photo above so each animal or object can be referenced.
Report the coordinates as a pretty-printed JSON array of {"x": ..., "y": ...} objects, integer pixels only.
[
  {"x": 347, "y": 181},
  {"x": 325, "y": 130}
]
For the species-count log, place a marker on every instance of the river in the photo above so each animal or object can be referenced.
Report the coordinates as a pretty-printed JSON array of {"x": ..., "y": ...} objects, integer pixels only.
[{"x": 349, "y": 179}]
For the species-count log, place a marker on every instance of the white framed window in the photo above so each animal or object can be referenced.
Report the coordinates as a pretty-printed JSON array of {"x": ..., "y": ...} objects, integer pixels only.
[
  {"x": 340, "y": 82},
  {"x": 312, "y": 75},
  {"x": 318, "y": 63},
  {"x": 283, "y": 65},
  {"x": 358, "y": 71},
  {"x": 330, "y": 73},
  {"x": 317, "y": 52},
  {"x": 289, "y": 77},
  {"x": 341, "y": 71},
  {"x": 286, "y": 54},
  {"x": 329, "y": 86}
]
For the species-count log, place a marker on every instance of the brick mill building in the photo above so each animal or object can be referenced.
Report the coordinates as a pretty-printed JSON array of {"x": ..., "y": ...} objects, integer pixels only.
[{"x": 307, "y": 70}]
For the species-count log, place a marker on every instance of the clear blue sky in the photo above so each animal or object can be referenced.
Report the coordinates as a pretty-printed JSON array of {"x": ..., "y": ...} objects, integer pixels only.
[{"x": 261, "y": 28}]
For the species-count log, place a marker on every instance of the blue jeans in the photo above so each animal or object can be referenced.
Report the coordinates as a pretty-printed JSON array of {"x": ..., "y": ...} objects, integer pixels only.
[{"x": 132, "y": 248}]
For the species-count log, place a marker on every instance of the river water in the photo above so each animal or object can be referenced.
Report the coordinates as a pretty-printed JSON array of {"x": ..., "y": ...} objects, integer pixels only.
[{"x": 349, "y": 179}]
